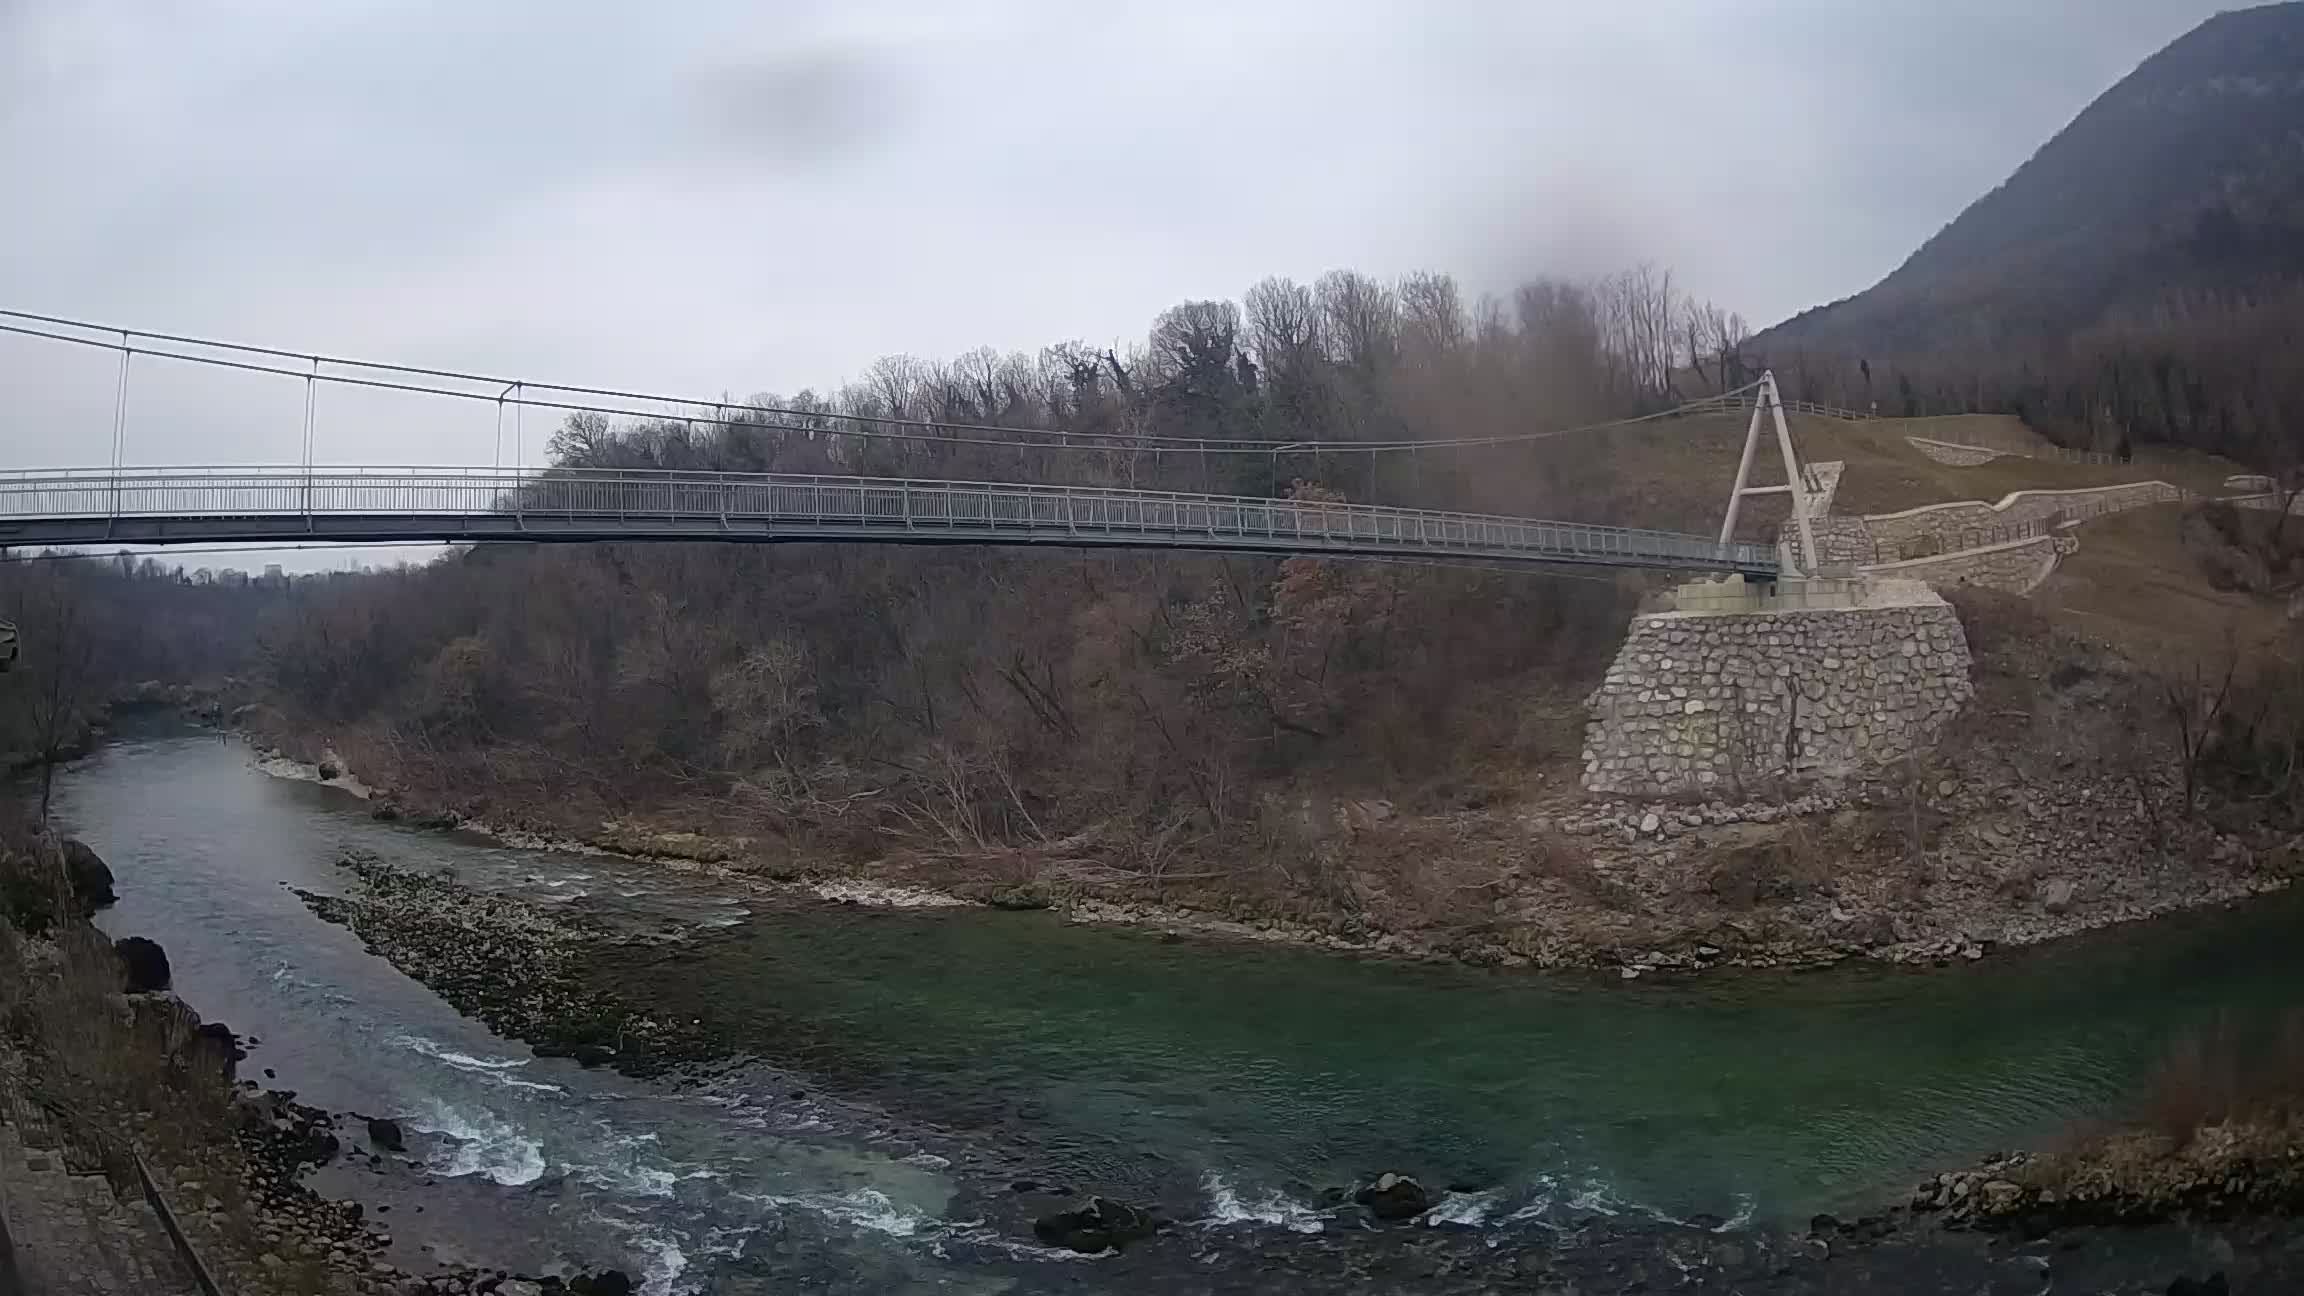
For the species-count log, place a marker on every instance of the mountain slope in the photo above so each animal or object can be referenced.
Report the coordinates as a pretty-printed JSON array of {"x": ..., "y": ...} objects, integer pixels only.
[{"x": 2181, "y": 184}]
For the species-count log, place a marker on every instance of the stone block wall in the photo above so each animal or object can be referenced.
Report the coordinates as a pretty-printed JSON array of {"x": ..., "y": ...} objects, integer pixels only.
[
  {"x": 1844, "y": 540},
  {"x": 1946, "y": 524},
  {"x": 1959, "y": 456},
  {"x": 1703, "y": 702},
  {"x": 2016, "y": 567}
]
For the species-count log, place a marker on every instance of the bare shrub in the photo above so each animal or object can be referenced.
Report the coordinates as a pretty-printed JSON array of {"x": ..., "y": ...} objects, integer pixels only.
[
  {"x": 1994, "y": 621},
  {"x": 2223, "y": 1073},
  {"x": 1787, "y": 865}
]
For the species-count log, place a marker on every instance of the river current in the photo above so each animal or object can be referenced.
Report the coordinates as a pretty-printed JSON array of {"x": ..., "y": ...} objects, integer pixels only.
[{"x": 911, "y": 1066}]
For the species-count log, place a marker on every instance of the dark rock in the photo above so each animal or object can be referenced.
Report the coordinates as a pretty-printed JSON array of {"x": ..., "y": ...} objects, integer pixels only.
[
  {"x": 143, "y": 965},
  {"x": 329, "y": 770},
  {"x": 592, "y": 1054},
  {"x": 1024, "y": 1186},
  {"x": 215, "y": 1043},
  {"x": 2213, "y": 1285},
  {"x": 385, "y": 1134},
  {"x": 88, "y": 876},
  {"x": 1393, "y": 1197},
  {"x": 317, "y": 1145},
  {"x": 1102, "y": 1224},
  {"x": 608, "y": 1282},
  {"x": 387, "y": 812},
  {"x": 1824, "y": 1225}
]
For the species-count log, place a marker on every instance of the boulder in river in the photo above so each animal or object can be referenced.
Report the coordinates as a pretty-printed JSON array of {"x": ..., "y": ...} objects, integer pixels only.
[
  {"x": 385, "y": 1134},
  {"x": 1393, "y": 1197},
  {"x": 143, "y": 965},
  {"x": 329, "y": 770},
  {"x": 89, "y": 878},
  {"x": 592, "y": 1055},
  {"x": 607, "y": 1282},
  {"x": 1101, "y": 1225}
]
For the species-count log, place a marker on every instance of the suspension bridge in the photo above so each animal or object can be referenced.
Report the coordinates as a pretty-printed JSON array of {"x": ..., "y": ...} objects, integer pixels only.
[{"x": 309, "y": 502}]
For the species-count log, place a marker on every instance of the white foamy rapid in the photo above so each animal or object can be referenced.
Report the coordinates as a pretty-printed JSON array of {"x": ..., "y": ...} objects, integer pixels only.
[
  {"x": 1271, "y": 1206},
  {"x": 493, "y": 1070},
  {"x": 1461, "y": 1210},
  {"x": 478, "y": 1143}
]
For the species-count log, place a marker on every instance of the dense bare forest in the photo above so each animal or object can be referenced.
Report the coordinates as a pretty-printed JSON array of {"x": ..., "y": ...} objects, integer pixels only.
[{"x": 861, "y": 699}]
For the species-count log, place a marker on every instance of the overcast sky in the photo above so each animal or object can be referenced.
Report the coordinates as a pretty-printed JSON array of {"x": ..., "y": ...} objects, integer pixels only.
[{"x": 737, "y": 197}]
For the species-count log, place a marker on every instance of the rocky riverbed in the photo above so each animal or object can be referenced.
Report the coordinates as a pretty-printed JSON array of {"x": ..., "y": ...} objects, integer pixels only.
[{"x": 512, "y": 964}]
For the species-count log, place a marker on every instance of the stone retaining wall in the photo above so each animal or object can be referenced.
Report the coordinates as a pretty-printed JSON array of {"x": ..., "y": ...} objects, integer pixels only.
[
  {"x": 1705, "y": 702},
  {"x": 1945, "y": 524},
  {"x": 2016, "y": 567},
  {"x": 1844, "y": 540},
  {"x": 1959, "y": 456}
]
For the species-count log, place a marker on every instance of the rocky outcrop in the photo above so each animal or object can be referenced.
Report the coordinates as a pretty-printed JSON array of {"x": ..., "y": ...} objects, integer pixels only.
[
  {"x": 143, "y": 965},
  {"x": 88, "y": 876}
]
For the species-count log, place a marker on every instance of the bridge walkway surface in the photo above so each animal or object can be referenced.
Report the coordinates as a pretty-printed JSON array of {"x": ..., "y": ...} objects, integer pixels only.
[{"x": 353, "y": 505}]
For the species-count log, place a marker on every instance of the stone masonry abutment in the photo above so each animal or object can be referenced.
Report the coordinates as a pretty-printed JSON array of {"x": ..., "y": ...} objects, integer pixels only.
[{"x": 1742, "y": 685}]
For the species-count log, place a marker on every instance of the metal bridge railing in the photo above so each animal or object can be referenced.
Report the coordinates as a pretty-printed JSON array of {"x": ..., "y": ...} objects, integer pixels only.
[{"x": 635, "y": 500}]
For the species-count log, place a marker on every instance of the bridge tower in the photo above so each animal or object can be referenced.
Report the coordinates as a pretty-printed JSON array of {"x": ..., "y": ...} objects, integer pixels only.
[{"x": 1768, "y": 404}]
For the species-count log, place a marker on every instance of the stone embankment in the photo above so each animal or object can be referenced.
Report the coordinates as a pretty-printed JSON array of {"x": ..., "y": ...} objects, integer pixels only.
[{"x": 1697, "y": 702}]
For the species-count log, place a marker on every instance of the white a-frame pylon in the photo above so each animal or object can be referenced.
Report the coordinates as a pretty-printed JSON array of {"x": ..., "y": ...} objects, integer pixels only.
[{"x": 1768, "y": 403}]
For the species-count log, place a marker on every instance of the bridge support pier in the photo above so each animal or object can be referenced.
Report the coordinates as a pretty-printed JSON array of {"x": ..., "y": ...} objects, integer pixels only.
[{"x": 1740, "y": 688}]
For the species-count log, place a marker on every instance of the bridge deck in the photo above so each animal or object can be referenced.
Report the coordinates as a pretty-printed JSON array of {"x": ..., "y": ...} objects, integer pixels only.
[{"x": 352, "y": 505}]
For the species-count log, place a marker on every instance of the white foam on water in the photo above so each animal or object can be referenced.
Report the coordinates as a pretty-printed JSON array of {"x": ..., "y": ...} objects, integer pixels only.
[
  {"x": 928, "y": 1161},
  {"x": 1271, "y": 1206},
  {"x": 727, "y": 1243},
  {"x": 494, "y": 1070},
  {"x": 863, "y": 1208},
  {"x": 479, "y": 1143},
  {"x": 1465, "y": 1210},
  {"x": 461, "y": 1061},
  {"x": 666, "y": 1262},
  {"x": 886, "y": 895}
]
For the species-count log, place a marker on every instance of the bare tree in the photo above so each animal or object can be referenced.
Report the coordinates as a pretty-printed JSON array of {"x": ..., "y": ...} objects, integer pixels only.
[
  {"x": 57, "y": 668},
  {"x": 2193, "y": 699}
]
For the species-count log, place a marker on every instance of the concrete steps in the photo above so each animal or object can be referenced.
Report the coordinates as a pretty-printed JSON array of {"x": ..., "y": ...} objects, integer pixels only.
[{"x": 72, "y": 1236}]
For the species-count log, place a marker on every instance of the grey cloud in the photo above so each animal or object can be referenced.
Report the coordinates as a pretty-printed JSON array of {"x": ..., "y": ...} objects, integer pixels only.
[{"x": 735, "y": 196}]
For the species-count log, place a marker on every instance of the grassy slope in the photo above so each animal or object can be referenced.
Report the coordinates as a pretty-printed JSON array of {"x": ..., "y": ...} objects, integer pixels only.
[
  {"x": 2134, "y": 581},
  {"x": 1676, "y": 475},
  {"x": 2137, "y": 583}
]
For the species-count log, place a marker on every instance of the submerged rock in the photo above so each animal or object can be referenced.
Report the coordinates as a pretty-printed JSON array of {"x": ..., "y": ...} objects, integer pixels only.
[
  {"x": 385, "y": 1134},
  {"x": 1102, "y": 1224},
  {"x": 143, "y": 965},
  {"x": 88, "y": 876},
  {"x": 1394, "y": 1197}
]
